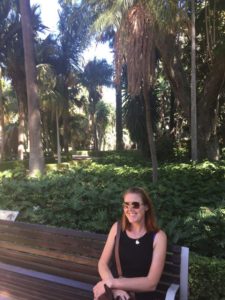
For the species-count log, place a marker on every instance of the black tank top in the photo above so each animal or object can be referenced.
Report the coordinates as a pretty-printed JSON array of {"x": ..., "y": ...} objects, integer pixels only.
[{"x": 136, "y": 257}]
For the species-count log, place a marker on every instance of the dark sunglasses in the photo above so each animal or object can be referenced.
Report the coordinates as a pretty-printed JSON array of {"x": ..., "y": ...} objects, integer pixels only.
[{"x": 134, "y": 204}]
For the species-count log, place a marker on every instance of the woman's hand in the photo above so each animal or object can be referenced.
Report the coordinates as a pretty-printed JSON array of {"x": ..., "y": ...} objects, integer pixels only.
[
  {"x": 120, "y": 295},
  {"x": 99, "y": 289}
]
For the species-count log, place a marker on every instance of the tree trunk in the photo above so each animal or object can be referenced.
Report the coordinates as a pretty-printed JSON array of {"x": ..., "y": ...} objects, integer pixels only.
[
  {"x": 172, "y": 112},
  {"x": 58, "y": 138},
  {"x": 150, "y": 135},
  {"x": 19, "y": 84},
  {"x": 194, "y": 148},
  {"x": 36, "y": 160},
  {"x": 208, "y": 111},
  {"x": 1, "y": 119},
  {"x": 66, "y": 126},
  {"x": 170, "y": 56},
  {"x": 95, "y": 137},
  {"x": 21, "y": 99},
  {"x": 119, "y": 123},
  {"x": 207, "y": 104},
  {"x": 21, "y": 132}
]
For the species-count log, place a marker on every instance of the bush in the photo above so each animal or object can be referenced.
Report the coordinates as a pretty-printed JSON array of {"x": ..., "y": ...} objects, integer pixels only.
[
  {"x": 189, "y": 201},
  {"x": 206, "y": 278}
]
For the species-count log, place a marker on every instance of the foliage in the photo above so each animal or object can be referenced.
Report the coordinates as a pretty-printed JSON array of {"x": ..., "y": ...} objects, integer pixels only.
[
  {"x": 102, "y": 119},
  {"x": 189, "y": 202},
  {"x": 87, "y": 195},
  {"x": 206, "y": 278},
  {"x": 97, "y": 73}
]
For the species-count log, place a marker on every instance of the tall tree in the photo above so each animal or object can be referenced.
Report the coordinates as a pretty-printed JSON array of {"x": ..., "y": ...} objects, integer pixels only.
[
  {"x": 102, "y": 120},
  {"x": 119, "y": 122},
  {"x": 135, "y": 47},
  {"x": 1, "y": 119},
  {"x": 97, "y": 73},
  {"x": 211, "y": 64},
  {"x": 51, "y": 100},
  {"x": 73, "y": 31},
  {"x": 194, "y": 148},
  {"x": 36, "y": 159},
  {"x": 138, "y": 49}
]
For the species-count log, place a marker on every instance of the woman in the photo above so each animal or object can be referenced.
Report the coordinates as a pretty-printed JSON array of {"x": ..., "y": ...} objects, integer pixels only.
[{"x": 142, "y": 250}]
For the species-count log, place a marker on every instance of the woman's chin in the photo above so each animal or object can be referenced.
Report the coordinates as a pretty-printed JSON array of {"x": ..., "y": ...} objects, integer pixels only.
[{"x": 132, "y": 219}]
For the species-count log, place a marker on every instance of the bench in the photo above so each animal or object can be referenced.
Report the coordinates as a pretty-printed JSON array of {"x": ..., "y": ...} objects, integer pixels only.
[
  {"x": 43, "y": 262},
  {"x": 9, "y": 215}
]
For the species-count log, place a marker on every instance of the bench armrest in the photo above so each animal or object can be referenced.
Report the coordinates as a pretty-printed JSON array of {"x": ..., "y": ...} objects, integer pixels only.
[{"x": 171, "y": 292}]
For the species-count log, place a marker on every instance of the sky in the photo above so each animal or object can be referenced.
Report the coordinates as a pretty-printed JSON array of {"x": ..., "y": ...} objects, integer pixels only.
[{"x": 49, "y": 15}]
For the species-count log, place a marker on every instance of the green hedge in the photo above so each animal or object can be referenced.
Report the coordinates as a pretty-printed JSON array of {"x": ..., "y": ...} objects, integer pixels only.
[{"x": 206, "y": 278}]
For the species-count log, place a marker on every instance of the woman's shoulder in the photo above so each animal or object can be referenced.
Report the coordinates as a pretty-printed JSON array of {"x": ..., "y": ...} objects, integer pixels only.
[
  {"x": 113, "y": 229},
  {"x": 160, "y": 236}
]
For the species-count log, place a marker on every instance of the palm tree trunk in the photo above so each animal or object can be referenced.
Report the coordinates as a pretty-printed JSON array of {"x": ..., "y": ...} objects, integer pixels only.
[
  {"x": 150, "y": 135},
  {"x": 58, "y": 138},
  {"x": 66, "y": 124},
  {"x": 194, "y": 148},
  {"x": 119, "y": 123},
  {"x": 21, "y": 128},
  {"x": 1, "y": 120},
  {"x": 36, "y": 159}
]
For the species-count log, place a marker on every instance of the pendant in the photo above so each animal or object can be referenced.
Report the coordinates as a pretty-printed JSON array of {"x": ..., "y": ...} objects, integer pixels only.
[{"x": 137, "y": 242}]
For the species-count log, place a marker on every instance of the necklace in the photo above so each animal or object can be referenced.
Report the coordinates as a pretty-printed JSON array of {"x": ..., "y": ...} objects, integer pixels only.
[{"x": 137, "y": 242}]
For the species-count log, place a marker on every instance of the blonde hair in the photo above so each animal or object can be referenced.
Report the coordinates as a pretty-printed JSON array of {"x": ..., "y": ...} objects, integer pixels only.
[{"x": 150, "y": 219}]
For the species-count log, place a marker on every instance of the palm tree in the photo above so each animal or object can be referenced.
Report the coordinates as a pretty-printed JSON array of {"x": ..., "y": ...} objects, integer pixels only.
[
  {"x": 194, "y": 150},
  {"x": 73, "y": 31},
  {"x": 36, "y": 159},
  {"x": 102, "y": 120},
  {"x": 13, "y": 57},
  {"x": 1, "y": 119},
  {"x": 135, "y": 47},
  {"x": 119, "y": 119},
  {"x": 97, "y": 73},
  {"x": 51, "y": 99}
]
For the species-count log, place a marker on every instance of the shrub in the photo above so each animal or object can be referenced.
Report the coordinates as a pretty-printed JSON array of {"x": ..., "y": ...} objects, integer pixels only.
[
  {"x": 189, "y": 201},
  {"x": 206, "y": 278}
]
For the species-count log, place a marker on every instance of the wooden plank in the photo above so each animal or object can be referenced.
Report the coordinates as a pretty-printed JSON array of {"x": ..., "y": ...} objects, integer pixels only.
[
  {"x": 52, "y": 266},
  {"x": 56, "y": 242},
  {"x": 172, "y": 268},
  {"x": 28, "y": 288},
  {"x": 170, "y": 278},
  {"x": 66, "y": 244},
  {"x": 49, "y": 253},
  {"x": 15, "y": 256},
  {"x": 45, "y": 228},
  {"x": 86, "y": 264},
  {"x": 173, "y": 258},
  {"x": 25, "y": 282}
]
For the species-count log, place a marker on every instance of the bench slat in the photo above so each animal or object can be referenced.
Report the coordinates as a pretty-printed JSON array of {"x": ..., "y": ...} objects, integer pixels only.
[
  {"x": 49, "y": 253},
  {"x": 46, "y": 241},
  {"x": 52, "y": 266},
  {"x": 18, "y": 284}
]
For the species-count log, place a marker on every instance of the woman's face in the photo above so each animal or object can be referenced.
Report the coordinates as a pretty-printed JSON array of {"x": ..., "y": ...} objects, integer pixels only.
[{"x": 133, "y": 207}]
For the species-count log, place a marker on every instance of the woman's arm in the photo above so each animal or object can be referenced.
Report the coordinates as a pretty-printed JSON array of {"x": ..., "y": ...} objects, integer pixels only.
[
  {"x": 103, "y": 263},
  {"x": 103, "y": 267},
  {"x": 148, "y": 283}
]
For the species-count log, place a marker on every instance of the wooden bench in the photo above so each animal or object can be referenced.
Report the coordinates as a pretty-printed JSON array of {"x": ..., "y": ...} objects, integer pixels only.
[{"x": 42, "y": 262}]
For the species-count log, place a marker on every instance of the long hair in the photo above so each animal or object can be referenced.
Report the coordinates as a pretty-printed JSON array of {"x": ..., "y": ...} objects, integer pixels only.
[{"x": 150, "y": 219}]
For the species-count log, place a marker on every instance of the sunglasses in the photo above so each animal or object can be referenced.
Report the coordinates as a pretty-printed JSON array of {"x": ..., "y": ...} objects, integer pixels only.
[{"x": 135, "y": 205}]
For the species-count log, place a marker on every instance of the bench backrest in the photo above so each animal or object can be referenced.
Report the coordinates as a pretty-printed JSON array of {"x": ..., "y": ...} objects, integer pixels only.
[{"x": 74, "y": 254}]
